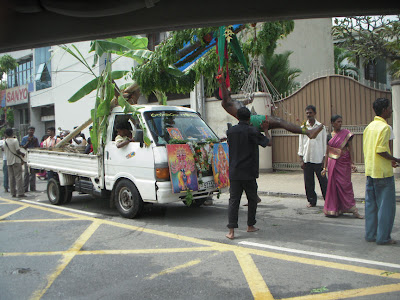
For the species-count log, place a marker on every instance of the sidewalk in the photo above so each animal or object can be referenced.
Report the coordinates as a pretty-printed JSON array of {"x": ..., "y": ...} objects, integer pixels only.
[{"x": 291, "y": 184}]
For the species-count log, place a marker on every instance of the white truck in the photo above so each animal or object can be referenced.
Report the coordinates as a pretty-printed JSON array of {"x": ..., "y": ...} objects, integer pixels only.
[{"x": 132, "y": 175}]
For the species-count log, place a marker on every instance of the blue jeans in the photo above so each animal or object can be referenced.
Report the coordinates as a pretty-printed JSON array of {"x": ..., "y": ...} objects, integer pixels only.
[
  {"x": 380, "y": 209},
  {"x": 5, "y": 175}
]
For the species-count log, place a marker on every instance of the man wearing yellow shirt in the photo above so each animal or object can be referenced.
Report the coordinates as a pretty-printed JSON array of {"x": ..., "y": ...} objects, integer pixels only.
[{"x": 380, "y": 195}]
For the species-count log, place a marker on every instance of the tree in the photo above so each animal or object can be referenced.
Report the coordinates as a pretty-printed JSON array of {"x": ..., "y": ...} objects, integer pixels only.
[
  {"x": 345, "y": 62},
  {"x": 371, "y": 38},
  {"x": 107, "y": 92},
  {"x": 7, "y": 63},
  {"x": 277, "y": 69}
]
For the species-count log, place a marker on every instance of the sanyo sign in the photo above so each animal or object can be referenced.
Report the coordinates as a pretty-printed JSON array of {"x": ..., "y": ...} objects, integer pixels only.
[{"x": 17, "y": 95}]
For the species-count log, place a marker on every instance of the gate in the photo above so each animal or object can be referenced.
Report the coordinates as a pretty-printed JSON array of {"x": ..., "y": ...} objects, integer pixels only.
[{"x": 334, "y": 94}]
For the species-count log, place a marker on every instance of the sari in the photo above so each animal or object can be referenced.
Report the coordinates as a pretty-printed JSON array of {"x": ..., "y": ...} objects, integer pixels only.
[{"x": 339, "y": 195}]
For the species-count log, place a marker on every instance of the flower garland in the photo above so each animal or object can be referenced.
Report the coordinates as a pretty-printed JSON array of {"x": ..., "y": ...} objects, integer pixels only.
[{"x": 203, "y": 156}]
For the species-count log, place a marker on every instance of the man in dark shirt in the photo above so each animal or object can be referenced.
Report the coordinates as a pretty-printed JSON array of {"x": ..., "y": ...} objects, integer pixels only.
[
  {"x": 243, "y": 141},
  {"x": 27, "y": 142}
]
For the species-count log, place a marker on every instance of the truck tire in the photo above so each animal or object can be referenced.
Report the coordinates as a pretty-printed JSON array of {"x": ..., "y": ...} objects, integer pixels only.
[
  {"x": 55, "y": 192},
  {"x": 127, "y": 199},
  {"x": 68, "y": 194}
]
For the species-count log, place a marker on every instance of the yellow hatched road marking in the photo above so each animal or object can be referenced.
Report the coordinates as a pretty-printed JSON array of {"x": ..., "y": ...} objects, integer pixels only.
[
  {"x": 114, "y": 252},
  {"x": 13, "y": 212},
  {"x": 148, "y": 251},
  {"x": 373, "y": 290},
  {"x": 41, "y": 220},
  {"x": 66, "y": 259},
  {"x": 174, "y": 269},
  {"x": 47, "y": 253},
  {"x": 253, "y": 276},
  {"x": 57, "y": 211},
  {"x": 322, "y": 263},
  {"x": 257, "y": 284}
]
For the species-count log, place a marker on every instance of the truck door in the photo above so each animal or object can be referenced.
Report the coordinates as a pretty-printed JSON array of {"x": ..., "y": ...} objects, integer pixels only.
[{"x": 132, "y": 161}]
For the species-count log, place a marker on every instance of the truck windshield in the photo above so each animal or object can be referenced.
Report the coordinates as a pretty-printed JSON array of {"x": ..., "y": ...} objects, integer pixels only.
[{"x": 180, "y": 125}]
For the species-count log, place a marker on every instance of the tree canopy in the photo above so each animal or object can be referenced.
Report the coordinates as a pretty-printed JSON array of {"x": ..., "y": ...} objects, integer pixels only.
[
  {"x": 158, "y": 73},
  {"x": 371, "y": 37},
  {"x": 7, "y": 63}
]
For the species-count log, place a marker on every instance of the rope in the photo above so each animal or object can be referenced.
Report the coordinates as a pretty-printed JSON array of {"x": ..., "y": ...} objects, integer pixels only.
[{"x": 257, "y": 81}]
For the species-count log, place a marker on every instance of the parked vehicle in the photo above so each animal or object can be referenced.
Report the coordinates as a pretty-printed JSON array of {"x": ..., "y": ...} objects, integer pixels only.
[{"x": 132, "y": 175}]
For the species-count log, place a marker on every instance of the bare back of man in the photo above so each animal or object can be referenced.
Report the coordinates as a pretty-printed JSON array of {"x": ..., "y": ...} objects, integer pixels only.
[{"x": 231, "y": 106}]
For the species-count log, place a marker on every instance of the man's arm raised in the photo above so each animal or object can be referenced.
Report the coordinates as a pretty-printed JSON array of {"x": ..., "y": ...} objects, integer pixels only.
[{"x": 265, "y": 127}]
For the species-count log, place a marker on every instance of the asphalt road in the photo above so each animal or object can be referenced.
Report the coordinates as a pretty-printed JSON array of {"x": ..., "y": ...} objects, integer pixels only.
[{"x": 85, "y": 250}]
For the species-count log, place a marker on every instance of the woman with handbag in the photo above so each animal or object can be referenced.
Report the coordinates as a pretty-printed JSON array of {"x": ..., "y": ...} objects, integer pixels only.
[{"x": 339, "y": 197}]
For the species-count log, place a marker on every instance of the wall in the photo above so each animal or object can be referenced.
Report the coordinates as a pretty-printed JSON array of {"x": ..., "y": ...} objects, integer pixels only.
[
  {"x": 312, "y": 45},
  {"x": 217, "y": 119}
]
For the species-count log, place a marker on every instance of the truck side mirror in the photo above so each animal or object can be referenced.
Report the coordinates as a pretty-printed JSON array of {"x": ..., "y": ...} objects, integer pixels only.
[{"x": 139, "y": 137}]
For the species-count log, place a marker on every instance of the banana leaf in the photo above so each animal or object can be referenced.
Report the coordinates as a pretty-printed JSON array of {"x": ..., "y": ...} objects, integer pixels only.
[
  {"x": 78, "y": 55},
  {"x": 93, "y": 132},
  {"x": 103, "y": 109},
  {"x": 132, "y": 42},
  {"x": 139, "y": 56},
  {"x": 118, "y": 45},
  {"x": 92, "y": 85}
]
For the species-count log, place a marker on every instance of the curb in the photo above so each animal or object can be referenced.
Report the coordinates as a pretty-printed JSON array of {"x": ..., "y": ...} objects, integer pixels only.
[{"x": 290, "y": 195}]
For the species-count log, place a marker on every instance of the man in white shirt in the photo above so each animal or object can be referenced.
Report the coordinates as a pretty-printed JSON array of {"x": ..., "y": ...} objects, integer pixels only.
[
  {"x": 312, "y": 156},
  {"x": 14, "y": 162}
]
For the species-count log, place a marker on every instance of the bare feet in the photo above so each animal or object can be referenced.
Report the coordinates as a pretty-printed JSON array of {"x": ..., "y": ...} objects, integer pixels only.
[
  {"x": 231, "y": 234},
  {"x": 310, "y": 205},
  {"x": 358, "y": 216},
  {"x": 312, "y": 133},
  {"x": 252, "y": 229}
]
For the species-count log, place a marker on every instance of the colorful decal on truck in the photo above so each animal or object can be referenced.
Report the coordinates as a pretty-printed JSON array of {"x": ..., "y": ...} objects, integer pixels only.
[
  {"x": 221, "y": 165},
  {"x": 130, "y": 155},
  {"x": 182, "y": 168}
]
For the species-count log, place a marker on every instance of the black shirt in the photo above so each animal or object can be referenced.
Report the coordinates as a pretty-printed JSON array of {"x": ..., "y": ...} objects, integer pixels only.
[{"x": 243, "y": 141}]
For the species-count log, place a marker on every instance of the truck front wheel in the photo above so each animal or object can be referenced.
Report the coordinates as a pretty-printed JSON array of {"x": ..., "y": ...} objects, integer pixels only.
[
  {"x": 55, "y": 192},
  {"x": 127, "y": 199}
]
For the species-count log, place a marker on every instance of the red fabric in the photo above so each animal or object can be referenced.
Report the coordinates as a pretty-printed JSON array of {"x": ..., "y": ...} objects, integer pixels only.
[{"x": 227, "y": 80}]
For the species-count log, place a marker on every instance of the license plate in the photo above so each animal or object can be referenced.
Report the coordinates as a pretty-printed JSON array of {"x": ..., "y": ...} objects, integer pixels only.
[{"x": 207, "y": 185}]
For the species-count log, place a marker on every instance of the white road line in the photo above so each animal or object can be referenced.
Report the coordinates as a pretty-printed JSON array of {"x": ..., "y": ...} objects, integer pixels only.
[
  {"x": 62, "y": 208},
  {"x": 364, "y": 261}
]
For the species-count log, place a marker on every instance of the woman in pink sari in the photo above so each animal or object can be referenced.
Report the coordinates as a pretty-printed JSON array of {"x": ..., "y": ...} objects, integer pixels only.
[{"x": 339, "y": 197}]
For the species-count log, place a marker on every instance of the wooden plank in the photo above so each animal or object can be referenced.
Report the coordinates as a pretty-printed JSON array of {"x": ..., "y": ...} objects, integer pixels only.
[
  {"x": 347, "y": 99},
  {"x": 353, "y": 107},
  {"x": 332, "y": 92},
  {"x": 363, "y": 103}
]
